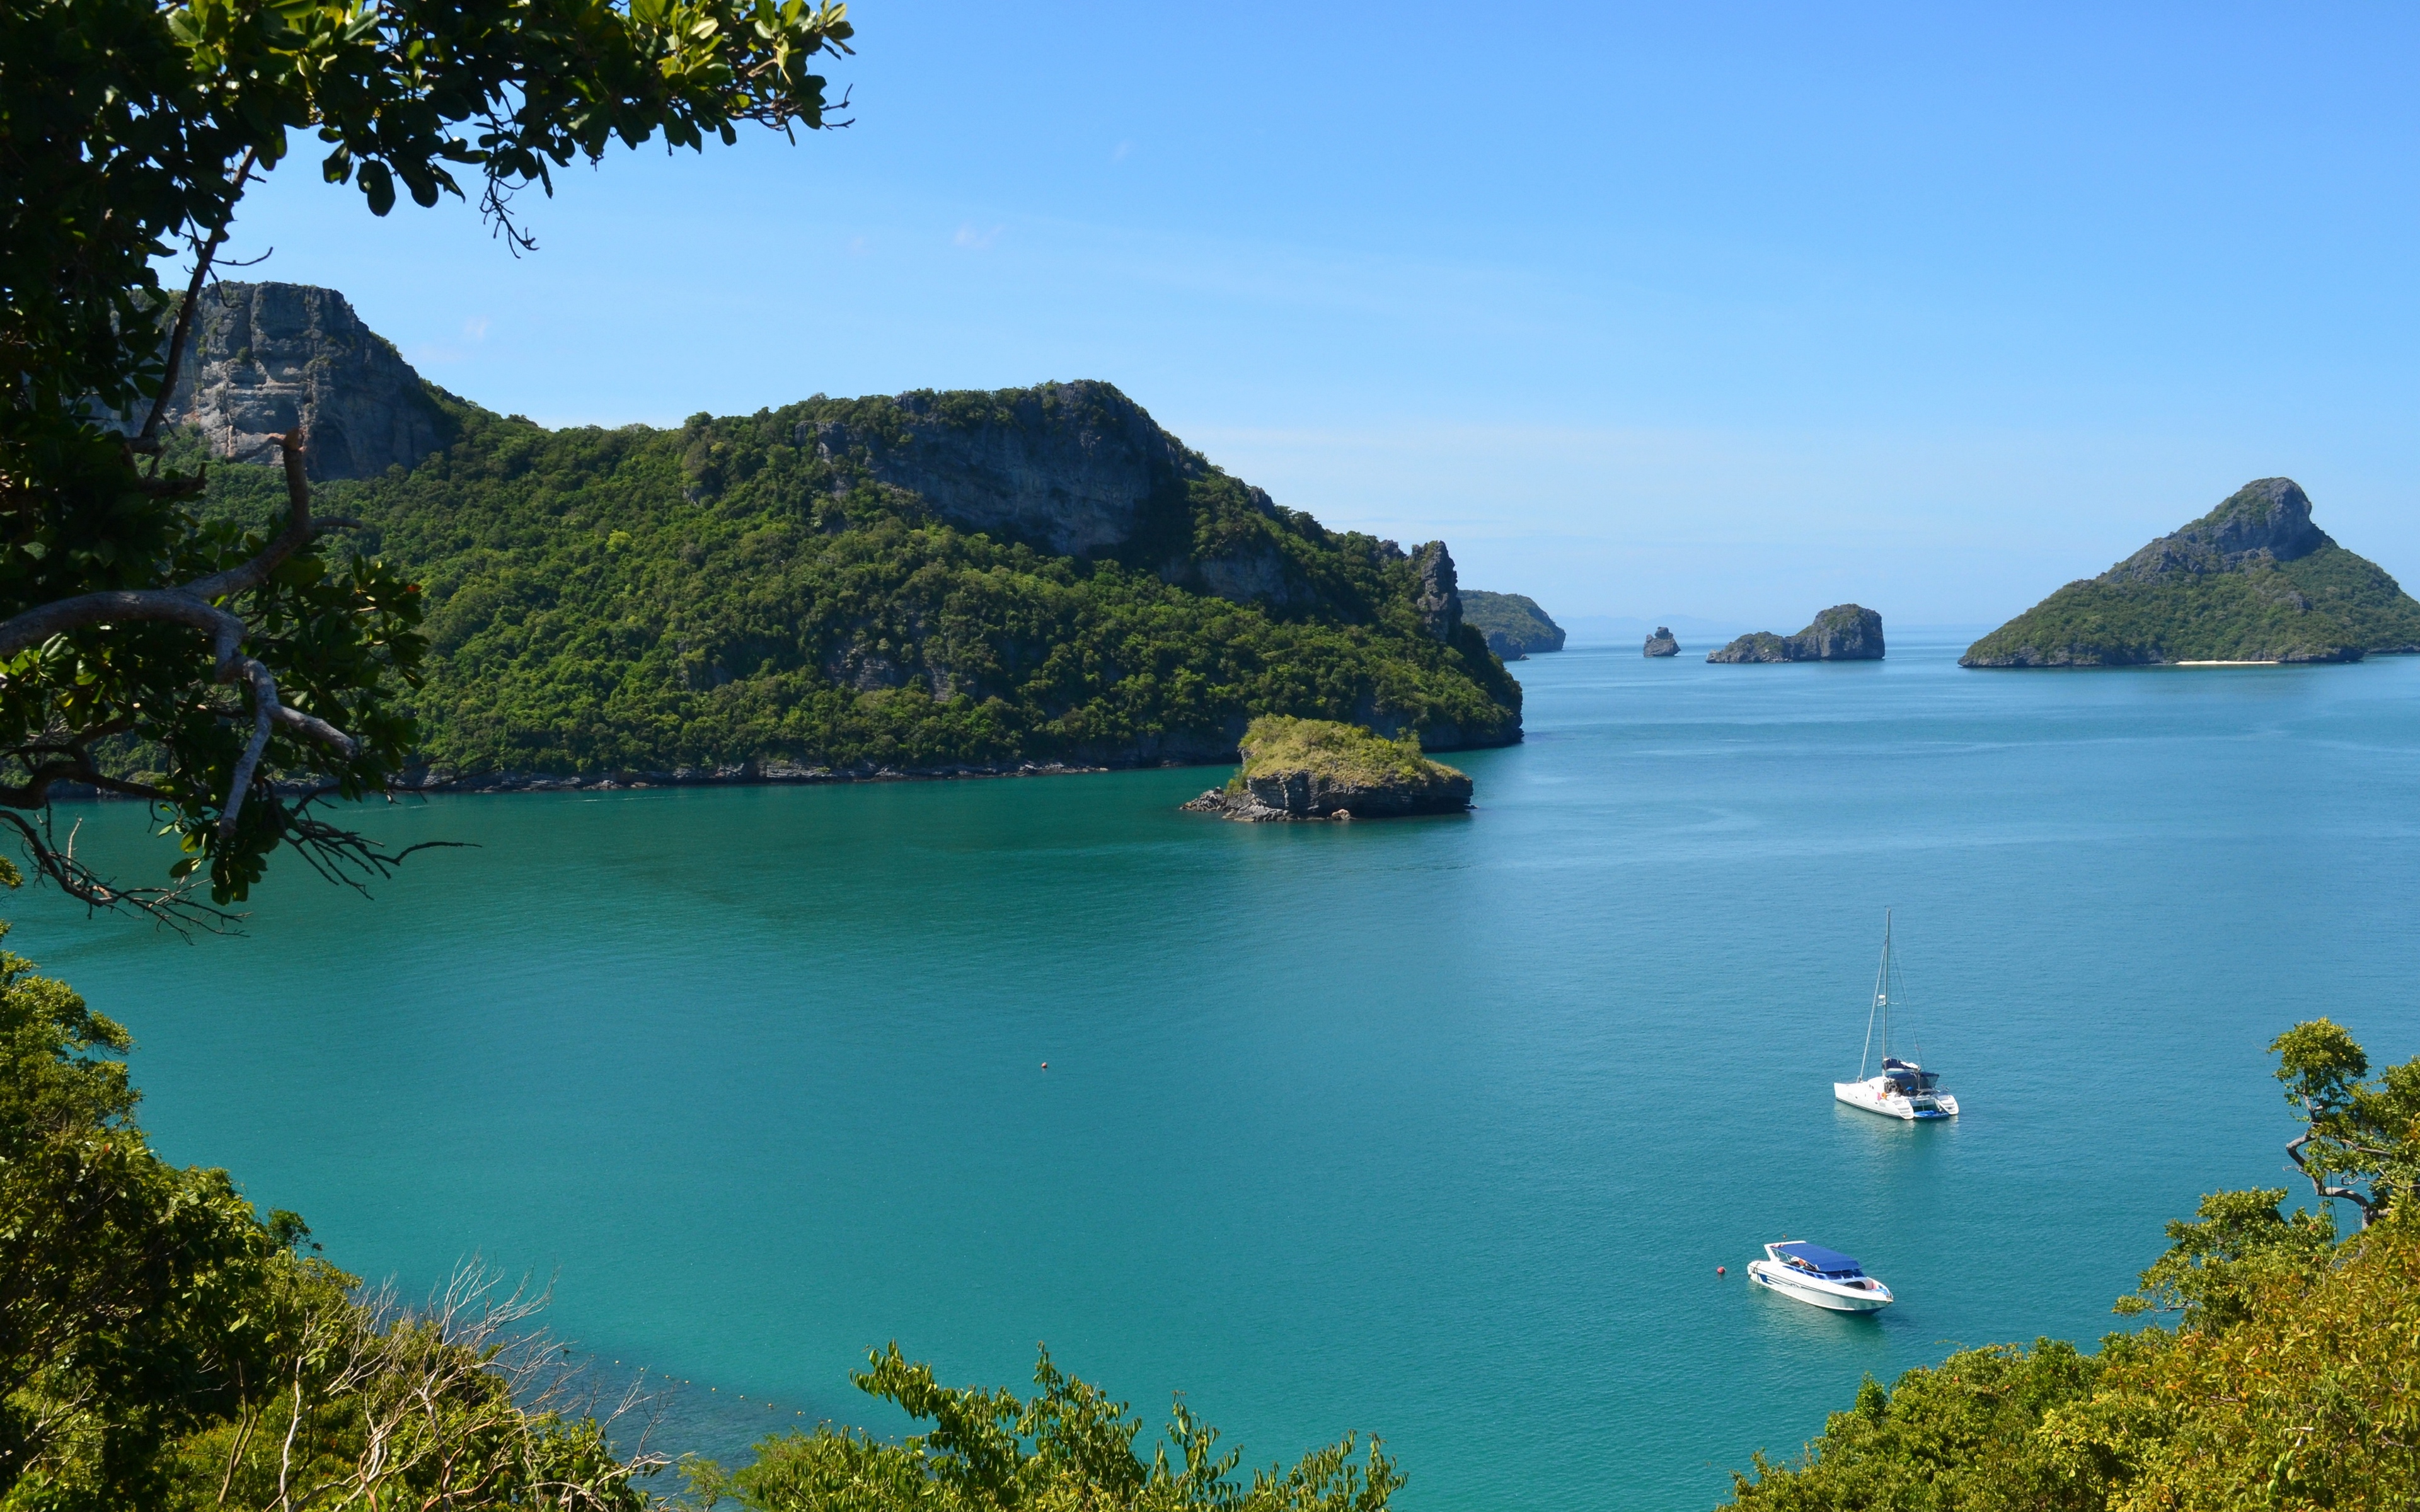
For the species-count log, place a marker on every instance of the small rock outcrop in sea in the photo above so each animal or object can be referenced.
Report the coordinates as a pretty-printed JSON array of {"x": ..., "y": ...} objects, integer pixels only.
[
  {"x": 1322, "y": 769},
  {"x": 264, "y": 357},
  {"x": 1662, "y": 645},
  {"x": 1844, "y": 632},
  {"x": 2252, "y": 581},
  {"x": 1513, "y": 624}
]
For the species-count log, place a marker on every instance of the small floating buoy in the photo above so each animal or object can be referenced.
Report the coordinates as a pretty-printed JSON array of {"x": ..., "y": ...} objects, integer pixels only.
[
  {"x": 1718, "y": 1270},
  {"x": 1046, "y": 1064}
]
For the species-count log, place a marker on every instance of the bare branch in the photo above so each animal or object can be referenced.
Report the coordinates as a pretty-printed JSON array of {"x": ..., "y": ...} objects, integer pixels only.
[
  {"x": 172, "y": 606},
  {"x": 149, "y": 439},
  {"x": 176, "y": 907},
  {"x": 296, "y": 535},
  {"x": 2363, "y": 1204},
  {"x": 187, "y": 603},
  {"x": 264, "y": 710}
]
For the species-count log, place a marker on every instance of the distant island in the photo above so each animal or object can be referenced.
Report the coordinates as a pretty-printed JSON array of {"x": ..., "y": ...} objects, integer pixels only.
[
  {"x": 2252, "y": 581},
  {"x": 931, "y": 583},
  {"x": 1662, "y": 643},
  {"x": 1323, "y": 769},
  {"x": 1513, "y": 624},
  {"x": 1844, "y": 632}
]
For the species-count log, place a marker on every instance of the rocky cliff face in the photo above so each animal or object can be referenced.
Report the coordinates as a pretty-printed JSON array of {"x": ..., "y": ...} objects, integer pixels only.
[
  {"x": 2265, "y": 522},
  {"x": 264, "y": 357},
  {"x": 1438, "y": 596},
  {"x": 1661, "y": 644},
  {"x": 1071, "y": 468},
  {"x": 1844, "y": 632}
]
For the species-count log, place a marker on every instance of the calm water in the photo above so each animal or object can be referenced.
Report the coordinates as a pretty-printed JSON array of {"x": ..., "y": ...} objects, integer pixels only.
[{"x": 1436, "y": 1128}]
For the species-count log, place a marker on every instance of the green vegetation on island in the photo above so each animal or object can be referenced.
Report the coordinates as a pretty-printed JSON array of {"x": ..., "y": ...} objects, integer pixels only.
[
  {"x": 2286, "y": 1382},
  {"x": 1513, "y": 624},
  {"x": 1344, "y": 754},
  {"x": 801, "y": 588},
  {"x": 2253, "y": 581},
  {"x": 1323, "y": 769}
]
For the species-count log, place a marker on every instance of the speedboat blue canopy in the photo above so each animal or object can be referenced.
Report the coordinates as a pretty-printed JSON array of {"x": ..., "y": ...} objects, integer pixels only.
[{"x": 1830, "y": 1262}]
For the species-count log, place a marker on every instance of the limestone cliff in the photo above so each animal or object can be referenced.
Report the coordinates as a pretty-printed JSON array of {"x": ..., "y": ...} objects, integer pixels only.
[
  {"x": 1071, "y": 468},
  {"x": 263, "y": 356},
  {"x": 1437, "y": 597}
]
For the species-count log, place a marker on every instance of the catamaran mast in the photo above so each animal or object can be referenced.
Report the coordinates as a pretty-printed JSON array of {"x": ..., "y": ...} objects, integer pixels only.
[{"x": 1880, "y": 1003}]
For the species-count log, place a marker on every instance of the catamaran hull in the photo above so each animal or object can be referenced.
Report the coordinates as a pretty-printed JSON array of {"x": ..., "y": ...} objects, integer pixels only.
[
  {"x": 1815, "y": 1291},
  {"x": 1863, "y": 1095}
]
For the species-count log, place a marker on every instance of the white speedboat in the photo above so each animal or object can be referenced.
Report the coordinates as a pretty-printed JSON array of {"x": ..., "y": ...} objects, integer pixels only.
[
  {"x": 1818, "y": 1277},
  {"x": 1905, "y": 1090}
]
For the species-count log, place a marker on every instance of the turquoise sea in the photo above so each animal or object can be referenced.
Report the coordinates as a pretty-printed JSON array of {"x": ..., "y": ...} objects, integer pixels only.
[{"x": 1435, "y": 1128}]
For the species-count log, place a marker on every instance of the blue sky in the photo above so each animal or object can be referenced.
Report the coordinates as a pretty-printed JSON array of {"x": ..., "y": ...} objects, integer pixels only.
[{"x": 1720, "y": 311}]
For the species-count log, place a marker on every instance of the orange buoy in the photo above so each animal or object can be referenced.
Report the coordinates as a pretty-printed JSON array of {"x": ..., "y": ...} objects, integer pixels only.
[{"x": 1718, "y": 1270}]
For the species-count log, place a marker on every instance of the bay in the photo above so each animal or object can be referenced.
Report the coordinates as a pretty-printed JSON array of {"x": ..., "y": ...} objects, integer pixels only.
[{"x": 1436, "y": 1129}]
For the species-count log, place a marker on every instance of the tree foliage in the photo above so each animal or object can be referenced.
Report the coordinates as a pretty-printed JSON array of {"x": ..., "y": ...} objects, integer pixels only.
[
  {"x": 129, "y": 128},
  {"x": 2362, "y": 1144},
  {"x": 1067, "y": 1446}
]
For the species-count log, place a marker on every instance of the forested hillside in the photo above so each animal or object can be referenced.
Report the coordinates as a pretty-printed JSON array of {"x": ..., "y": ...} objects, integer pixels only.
[
  {"x": 936, "y": 582},
  {"x": 2252, "y": 581}
]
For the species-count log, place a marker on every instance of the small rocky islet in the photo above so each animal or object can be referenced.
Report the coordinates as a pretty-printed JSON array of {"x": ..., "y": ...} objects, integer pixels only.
[
  {"x": 2253, "y": 581},
  {"x": 1300, "y": 769},
  {"x": 1662, "y": 643},
  {"x": 1844, "y": 632}
]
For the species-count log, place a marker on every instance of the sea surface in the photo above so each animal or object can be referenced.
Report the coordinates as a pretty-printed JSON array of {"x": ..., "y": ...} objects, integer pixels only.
[{"x": 1436, "y": 1129}]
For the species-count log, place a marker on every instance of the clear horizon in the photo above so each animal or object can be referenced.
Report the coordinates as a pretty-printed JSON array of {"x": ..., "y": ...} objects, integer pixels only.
[{"x": 1725, "y": 315}]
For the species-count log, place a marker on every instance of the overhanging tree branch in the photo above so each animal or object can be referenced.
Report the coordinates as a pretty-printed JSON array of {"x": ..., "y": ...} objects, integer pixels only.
[{"x": 204, "y": 250}]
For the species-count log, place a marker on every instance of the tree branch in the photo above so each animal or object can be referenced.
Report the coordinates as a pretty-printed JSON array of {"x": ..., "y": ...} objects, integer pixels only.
[
  {"x": 149, "y": 441},
  {"x": 176, "y": 907},
  {"x": 2365, "y": 1205}
]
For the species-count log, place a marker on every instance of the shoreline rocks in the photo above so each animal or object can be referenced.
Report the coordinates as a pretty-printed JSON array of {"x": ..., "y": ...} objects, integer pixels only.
[{"x": 1844, "y": 632}]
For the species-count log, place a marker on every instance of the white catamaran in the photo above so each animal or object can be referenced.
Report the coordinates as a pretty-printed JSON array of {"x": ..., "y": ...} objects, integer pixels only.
[{"x": 1905, "y": 1090}]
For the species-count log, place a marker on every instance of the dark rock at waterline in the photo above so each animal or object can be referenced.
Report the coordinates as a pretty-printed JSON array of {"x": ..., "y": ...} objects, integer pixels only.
[
  {"x": 1662, "y": 643},
  {"x": 1305, "y": 794},
  {"x": 1328, "y": 769},
  {"x": 1844, "y": 632}
]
